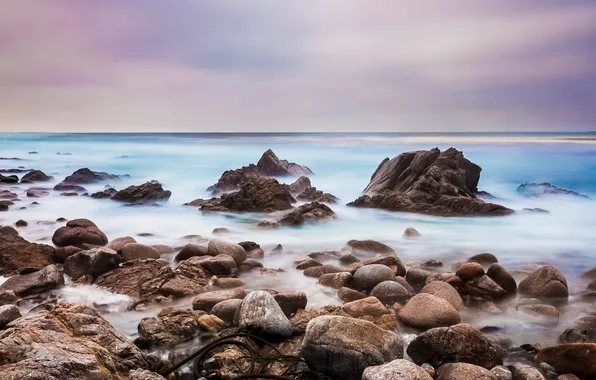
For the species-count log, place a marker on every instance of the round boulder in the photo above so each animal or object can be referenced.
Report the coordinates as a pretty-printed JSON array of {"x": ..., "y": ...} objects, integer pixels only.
[
  {"x": 369, "y": 306},
  {"x": 469, "y": 271},
  {"x": 411, "y": 233},
  {"x": 291, "y": 301},
  {"x": 349, "y": 295},
  {"x": 502, "y": 277},
  {"x": 336, "y": 280},
  {"x": 369, "y": 276},
  {"x": 545, "y": 283},
  {"x": 206, "y": 301},
  {"x": 576, "y": 358},
  {"x": 136, "y": 251},
  {"x": 426, "y": 311},
  {"x": 390, "y": 292},
  {"x": 484, "y": 259},
  {"x": 398, "y": 369},
  {"x": 79, "y": 232},
  {"x": 118, "y": 243},
  {"x": 220, "y": 247},
  {"x": 445, "y": 291},
  {"x": 225, "y": 310},
  {"x": 369, "y": 246}
]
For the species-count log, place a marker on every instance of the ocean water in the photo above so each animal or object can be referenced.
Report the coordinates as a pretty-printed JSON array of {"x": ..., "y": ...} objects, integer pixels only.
[{"x": 342, "y": 163}]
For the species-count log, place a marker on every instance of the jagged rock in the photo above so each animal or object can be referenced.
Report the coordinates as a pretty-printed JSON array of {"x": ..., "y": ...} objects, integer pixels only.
[
  {"x": 206, "y": 301},
  {"x": 149, "y": 191},
  {"x": 36, "y": 176},
  {"x": 459, "y": 343},
  {"x": 257, "y": 194},
  {"x": 269, "y": 165},
  {"x": 311, "y": 194},
  {"x": 21, "y": 223},
  {"x": 94, "y": 262},
  {"x": 170, "y": 326},
  {"x": 575, "y": 358},
  {"x": 291, "y": 301},
  {"x": 9, "y": 179},
  {"x": 369, "y": 276},
  {"x": 105, "y": 193},
  {"x": 8, "y": 313},
  {"x": 445, "y": 291},
  {"x": 428, "y": 182},
  {"x": 17, "y": 255},
  {"x": 62, "y": 253},
  {"x": 136, "y": 251},
  {"x": 48, "y": 278},
  {"x": 545, "y": 283},
  {"x": 310, "y": 212},
  {"x": 298, "y": 186},
  {"x": 426, "y": 311},
  {"x": 534, "y": 190},
  {"x": 463, "y": 371},
  {"x": 398, "y": 369},
  {"x": 219, "y": 265},
  {"x": 68, "y": 341},
  {"x": 261, "y": 315},
  {"x": 86, "y": 176},
  {"x": 343, "y": 347},
  {"x": 391, "y": 261},
  {"x": 78, "y": 233}
]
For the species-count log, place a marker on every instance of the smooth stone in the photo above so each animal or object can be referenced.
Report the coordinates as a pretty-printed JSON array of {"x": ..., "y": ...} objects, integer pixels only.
[
  {"x": 390, "y": 292},
  {"x": 447, "y": 292},
  {"x": 463, "y": 371},
  {"x": 417, "y": 278},
  {"x": 411, "y": 233},
  {"x": 291, "y": 301},
  {"x": 118, "y": 243},
  {"x": 307, "y": 263},
  {"x": 546, "y": 283},
  {"x": 484, "y": 259},
  {"x": 398, "y": 369},
  {"x": 369, "y": 276},
  {"x": 469, "y": 271},
  {"x": 136, "y": 251},
  {"x": 426, "y": 311},
  {"x": 260, "y": 314},
  {"x": 206, "y": 301},
  {"x": 522, "y": 371},
  {"x": 336, "y": 280},
  {"x": 225, "y": 310},
  {"x": 348, "y": 295},
  {"x": 94, "y": 262},
  {"x": 369, "y": 306},
  {"x": 502, "y": 277},
  {"x": 370, "y": 246}
]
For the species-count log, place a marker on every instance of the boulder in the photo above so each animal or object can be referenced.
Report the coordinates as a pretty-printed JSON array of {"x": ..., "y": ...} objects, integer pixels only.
[
  {"x": 291, "y": 301},
  {"x": 307, "y": 263},
  {"x": 521, "y": 371},
  {"x": 336, "y": 280},
  {"x": 7, "y": 297},
  {"x": 206, "y": 301},
  {"x": 78, "y": 233},
  {"x": 502, "y": 277},
  {"x": 343, "y": 347},
  {"x": 220, "y": 247},
  {"x": 260, "y": 314},
  {"x": 502, "y": 373},
  {"x": 369, "y": 276},
  {"x": 86, "y": 176},
  {"x": 589, "y": 275},
  {"x": 398, "y": 369},
  {"x": 93, "y": 262},
  {"x": 310, "y": 212},
  {"x": 483, "y": 288},
  {"x": 21, "y": 223},
  {"x": 540, "y": 314},
  {"x": 390, "y": 292},
  {"x": 149, "y": 191},
  {"x": 226, "y": 282},
  {"x": 369, "y": 306},
  {"x": 136, "y": 251},
  {"x": 192, "y": 250},
  {"x": 311, "y": 194},
  {"x": 574, "y": 358},
  {"x": 8, "y": 313},
  {"x": 17, "y": 255},
  {"x": 219, "y": 265},
  {"x": 426, "y": 311},
  {"x": 300, "y": 185},
  {"x": 464, "y": 371},
  {"x": 68, "y": 341},
  {"x": 444, "y": 290},
  {"x": 318, "y": 271},
  {"x": 469, "y": 271},
  {"x": 105, "y": 193},
  {"x": 8, "y": 231},
  {"x": 535, "y": 190},
  {"x": 170, "y": 326},
  {"x": 226, "y": 310},
  {"x": 118, "y": 243},
  {"x": 459, "y": 343},
  {"x": 43, "y": 280},
  {"x": 36, "y": 176},
  {"x": 582, "y": 331},
  {"x": 348, "y": 295},
  {"x": 391, "y": 261},
  {"x": 428, "y": 182},
  {"x": 484, "y": 259},
  {"x": 62, "y": 253},
  {"x": 545, "y": 283},
  {"x": 411, "y": 233},
  {"x": 369, "y": 246},
  {"x": 417, "y": 278}
]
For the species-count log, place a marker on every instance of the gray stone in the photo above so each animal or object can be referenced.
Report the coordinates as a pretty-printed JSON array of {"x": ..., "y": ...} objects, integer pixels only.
[
  {"x": 260, "y": 314},
  {"x": 369, "y": 276},
  {"x": 94, "y": 262},
  {"x": 463, "y": 371},
  {"x": 369, "y": 306},
  {"x": 398, "y": 369},
  {"x": 390, "y": 292},
  {"x": 8, "y": 313},
  {"x": 225, "y": 310},
  {"x": 48, "y": 278}
]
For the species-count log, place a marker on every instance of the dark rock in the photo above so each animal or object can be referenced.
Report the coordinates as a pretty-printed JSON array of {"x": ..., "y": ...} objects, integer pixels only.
[
  {"x": 390, "y": 292},
  {"x": 8, "y": 313},
  {"x": 398, "y": 369},
  {"x": 291, "y": 301},
  {"x": 369, "y": 276},
  {"x": 417, "y": 278},
  {"x": 94, "y": 262},
  {"x": 459, "y": 343},
  {"x": 4, "y": 207},
  {"x": 545, "y": 283},
  {"x": 463, "y": 371},
  {"x": 36, "y": 176},
  {"x": 7, "y": 297},
  {"x": 149, "y": 191},
  {"x": 79, "y": 232},
  {"x": 369, "y": 246},
  {"x": 310, "y": 212},
  {"x": 311, "y": 194},
  {"x": 62, "y": 253},
  {"x": 299, "y": 186},
  {"x": 86, "y": 176},
  {"x": 48, "y": 278},
  {"x": 343, "y": 347},
  {"x": 484, "y": 259},
  {"x": 537, "y": 210},
  {"x": 17, "y": 255},
  {"x": 502, "y": 277},
  {"x": 130, "y": 278},
  {"x": 307, "y": 263},
  {"x": 136, "y": 251},
  {"x": 9, "y": 179},
  {"x": 483, "y": 288},
  {"x": 260, "y": 314},
  {"x": 575, "y": 358},
  {"x": 170, "y": 326},
  {"x": 105, "y": 193},
  {"x": 21, "y": 223},
  {"x": 426, "y": 311},
  {"x": 206, "y": 301},
  {"x": 8, "y": 231},
  {"x": 543, "y": 189},
  {"x": 428, "y": 182},
  {"x": 220, "y": 247},
  {"x": 583, "y": 331},
  {"x": 445, "y": 291}
]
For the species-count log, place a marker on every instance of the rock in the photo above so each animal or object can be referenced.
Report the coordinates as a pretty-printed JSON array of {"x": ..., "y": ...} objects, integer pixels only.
[
  {"x": 428, "y": 182},
  {"x": 62, "y": 253},
  {"x": 79, "y": 232},
  {"x": 459, "y": 343},
  {"x": 105, "y": 193},
  {"x": 7, "y": 297},
  {"x": 256, "y": 194},
  {"x": 17, "y": 255},
  {"x": 369, "y": 306},
  {"x": 48, "y": 278},
  {"x": 68, "y": 341},
  {"x": 164, "y": 249},
  {"x": 343, "y": 347},
  {"x": 502, "y": 277},
  {"x": 268, "y": 166},
  {"x": 411, "y": 233},
  {"x": 369, "y": 246},
  {"x": 469, "y": 271},
  {"x": 300, "y": 185},
  {"x": 220, "y": 230},
  {"x": 483, "y": 288},
  {"x": 118, "y": 243},
  {"x": 191, "y": 250},
  {"x": 206, "y": 301},
  {"x": 583, "y": 331},
  {"x": 398, "y": 369},
  {"x": 170, "y": 326},
  {"x": 417, "y": 278},
  {"x": 574, "y": 358},
  {"x": 541, "y": 314},
  {"x": 226, "y": 283},
  {"x": 138, "y": 374},
  {"x": 86, "y": 176},
  {"x": 336, "y": 280},
  {"x": 149, "y": 191},
  {"x": 261, "y": 315},
  {"x": 310, "y": 212},
  {"x": 426, "y": 311},
  {"x": 225, "y": 310},
  {"x": 369, "y": 276},
  {"x": 484, "y": 259},
  {"x": 311, "y": 194},
  {"x": 211, "y": 323},
  {"x": 37, "y": 193},
  {"x": 136, "y": 251},
  {"x": 8, "y": 231},
  {"x": 36, "y": 176},
  {"x": 522, "y": 371},
  {"x": 589, "y": 275},
  {"x": 568, "y": 377},
  {"x": 444, "y": 290},
  {"x": 464, "y": 371},
  {"x": 318, "y": 271},
  {"x": 545, "y": 283},
  {"x": 291, "y": 301},
  {"x": 390, "y": 292},
  {"x": 220, "y": 247},
  {"x": 94, "y": 262},
  {"x": 307, "y": 263},
  {"x": 21, "y": 223},
  {"x": 9, "y": 179},
  {"x": 534, "y": 190},
  {"x": 219, "y": 265},
  {"x": 390, "y": 261},
  {"x": 502, "y": 373},
  {"x": 348, "y": 295},
  {"x": 8, "y": 313}
]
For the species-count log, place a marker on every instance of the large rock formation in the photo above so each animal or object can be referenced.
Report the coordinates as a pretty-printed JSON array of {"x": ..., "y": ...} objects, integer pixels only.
[
  {"x": 85, "y": 176},
  {"x": 428, "y": 182},
  {"x": 268, "y": 166},
  {"x": 36, "y": 176},
  {"x": 149, "y": 191}
]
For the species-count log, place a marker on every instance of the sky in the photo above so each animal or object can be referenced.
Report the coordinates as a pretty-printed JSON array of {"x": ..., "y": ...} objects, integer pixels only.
[{"x": 308, "y": 65}]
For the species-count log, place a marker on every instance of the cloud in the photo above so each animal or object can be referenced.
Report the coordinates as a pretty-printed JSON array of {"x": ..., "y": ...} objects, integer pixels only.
[{"x": 267, "y": 65}]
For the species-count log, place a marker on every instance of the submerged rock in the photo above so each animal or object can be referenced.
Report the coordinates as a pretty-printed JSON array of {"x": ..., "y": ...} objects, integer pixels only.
[
  {"x": 428, "y": 182},
  {"x": 310, "y": 212},
  {"x": 369, "y": 276},
  {"x": 86, "y": 176},
  {"x": 149, "y": 191},
  {"x": 311, "y": 194},
  {"x": 532, "y": 189},
  {"x": 36, "y": 176}
]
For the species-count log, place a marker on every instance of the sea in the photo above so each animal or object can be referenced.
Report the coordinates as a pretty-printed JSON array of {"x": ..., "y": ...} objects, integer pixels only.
[{"x": 342, "y": 164}]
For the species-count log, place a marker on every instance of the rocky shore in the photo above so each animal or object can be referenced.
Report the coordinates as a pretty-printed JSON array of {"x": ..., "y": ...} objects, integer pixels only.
[{"x": 217, "y": 317}]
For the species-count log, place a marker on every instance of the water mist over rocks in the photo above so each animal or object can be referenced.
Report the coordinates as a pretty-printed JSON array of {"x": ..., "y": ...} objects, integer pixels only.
[{"x": 423, "y": 262}]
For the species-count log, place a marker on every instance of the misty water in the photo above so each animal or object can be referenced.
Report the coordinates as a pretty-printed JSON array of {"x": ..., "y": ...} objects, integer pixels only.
[{"x": 343, "y": 164}]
